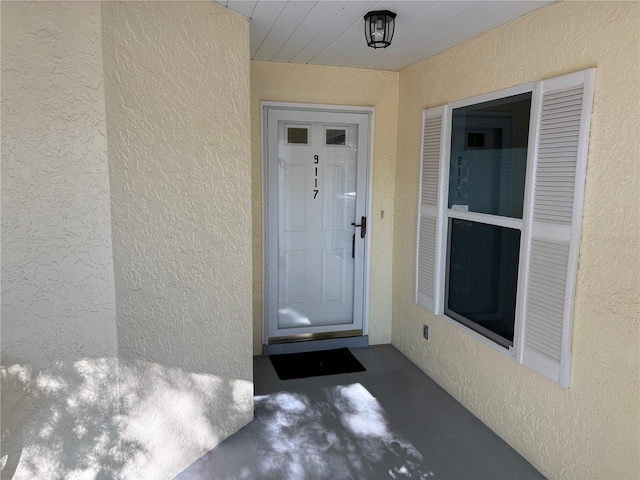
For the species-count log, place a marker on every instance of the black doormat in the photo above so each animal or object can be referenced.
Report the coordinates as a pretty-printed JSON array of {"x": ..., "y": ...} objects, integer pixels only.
[{"x": 315, "y": 364}]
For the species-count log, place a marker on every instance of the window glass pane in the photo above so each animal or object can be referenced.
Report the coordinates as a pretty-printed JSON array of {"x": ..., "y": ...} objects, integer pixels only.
[
  {"x": 297, "y": 135},
  {"x": 489, "y": 156},
  {"x": 482, "y": 277},
  {"x": 336, "y": 137}
]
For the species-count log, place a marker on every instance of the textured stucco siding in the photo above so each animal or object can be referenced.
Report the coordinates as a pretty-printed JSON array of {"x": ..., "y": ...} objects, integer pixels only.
[
  {"x": 284, "y": 82},
  {"x": 57, "y": 275},
  {"x": 178, "y": 128},
  {"x": 590, "y": 430},
  {"x": 58, "y": 299}
]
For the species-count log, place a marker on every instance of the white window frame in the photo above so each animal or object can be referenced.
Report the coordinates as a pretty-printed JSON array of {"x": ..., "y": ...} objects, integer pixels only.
[
  {"x": 523, "y": 225},
  {"x": 535, "y": 226}
]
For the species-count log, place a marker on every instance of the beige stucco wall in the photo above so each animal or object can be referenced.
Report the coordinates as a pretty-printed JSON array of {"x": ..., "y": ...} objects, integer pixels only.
[
  {"x": 334, "y": 86},
  {"x": 590, "y": 430},
  {"x": 177, "y": 96},
  {"x": 59, "y": 344}
]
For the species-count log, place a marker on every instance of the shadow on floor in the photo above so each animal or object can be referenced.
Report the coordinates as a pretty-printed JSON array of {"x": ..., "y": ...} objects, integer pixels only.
[
  {"x": 391, "y": 421},
  {"x": 341, "y": 433}
]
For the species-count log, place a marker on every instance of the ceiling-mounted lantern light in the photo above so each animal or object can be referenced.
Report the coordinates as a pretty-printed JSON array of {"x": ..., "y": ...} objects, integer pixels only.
[{"x": 379, "y": 27}]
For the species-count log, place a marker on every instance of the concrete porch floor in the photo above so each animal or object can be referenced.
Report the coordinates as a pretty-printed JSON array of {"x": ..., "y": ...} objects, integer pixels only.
[{"x": 452, "y": 442}]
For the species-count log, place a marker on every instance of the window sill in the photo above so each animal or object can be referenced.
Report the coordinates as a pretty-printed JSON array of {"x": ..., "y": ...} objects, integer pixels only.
[{"x": 509, "y": 352}]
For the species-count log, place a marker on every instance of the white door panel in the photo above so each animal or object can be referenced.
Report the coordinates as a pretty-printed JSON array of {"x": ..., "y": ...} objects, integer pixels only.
[{"x": 316, "y": 190}]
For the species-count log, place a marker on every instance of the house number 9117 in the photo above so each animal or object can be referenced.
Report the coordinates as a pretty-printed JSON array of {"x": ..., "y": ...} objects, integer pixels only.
[{"x": 316, "y": 160}]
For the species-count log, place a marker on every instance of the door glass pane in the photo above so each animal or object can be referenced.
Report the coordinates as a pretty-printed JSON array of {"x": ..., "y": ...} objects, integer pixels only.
[
  {"x": 297, "y": 135},
  {"x": 482, "y": 277},
  {"x": 489, "y": 156},
  {"x": 316, "y": 206},
  {"x": 335, "y": 137}
]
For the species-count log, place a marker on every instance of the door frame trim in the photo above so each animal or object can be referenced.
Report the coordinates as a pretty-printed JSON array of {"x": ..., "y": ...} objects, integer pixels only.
[{"x": 313, "y": 107}]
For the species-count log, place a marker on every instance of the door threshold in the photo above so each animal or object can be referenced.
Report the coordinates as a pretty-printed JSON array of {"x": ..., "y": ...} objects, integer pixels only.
[
  {"x": 315, "y": 345},
  {"x": 305, "y": 337}
]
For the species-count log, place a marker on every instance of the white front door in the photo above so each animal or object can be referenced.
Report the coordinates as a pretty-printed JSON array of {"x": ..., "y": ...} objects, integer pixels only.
[{"x": 316, "y": 198}]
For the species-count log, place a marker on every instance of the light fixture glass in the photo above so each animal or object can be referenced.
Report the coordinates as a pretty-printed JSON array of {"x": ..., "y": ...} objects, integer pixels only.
[{"x": 379, "y": 27}]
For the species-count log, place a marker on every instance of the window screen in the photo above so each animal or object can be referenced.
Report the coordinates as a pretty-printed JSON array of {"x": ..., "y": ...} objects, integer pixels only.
[{"x": 482, "y": 278}]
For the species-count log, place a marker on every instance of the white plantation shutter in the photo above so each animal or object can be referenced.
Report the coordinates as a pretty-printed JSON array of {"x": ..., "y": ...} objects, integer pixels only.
[
  {"x": 432, "y": 151},
  {"x": 556, "y": 216}
]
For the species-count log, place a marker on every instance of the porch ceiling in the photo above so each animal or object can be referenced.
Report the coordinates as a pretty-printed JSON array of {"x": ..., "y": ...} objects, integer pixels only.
[{"x": 332, "y": 32}]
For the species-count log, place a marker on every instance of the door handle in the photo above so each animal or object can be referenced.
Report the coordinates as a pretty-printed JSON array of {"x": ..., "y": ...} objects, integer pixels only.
[
  {"x": 353, "y": 246},
  {"x": 363, "y": 226}
]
